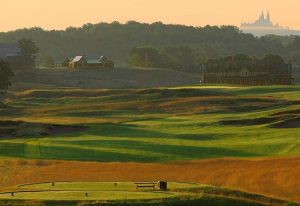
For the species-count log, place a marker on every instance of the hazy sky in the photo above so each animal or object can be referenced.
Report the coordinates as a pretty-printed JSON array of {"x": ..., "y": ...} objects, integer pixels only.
[{"x": 59, "y": 14}]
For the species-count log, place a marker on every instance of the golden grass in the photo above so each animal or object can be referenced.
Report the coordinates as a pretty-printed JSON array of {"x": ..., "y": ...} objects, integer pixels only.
[{"x": 276, "y": 177}]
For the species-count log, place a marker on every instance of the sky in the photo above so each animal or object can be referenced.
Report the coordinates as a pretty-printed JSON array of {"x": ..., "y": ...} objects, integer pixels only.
[{"x": 60, "y": 14}]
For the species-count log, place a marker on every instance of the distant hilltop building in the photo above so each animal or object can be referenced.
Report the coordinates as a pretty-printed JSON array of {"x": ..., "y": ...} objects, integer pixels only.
[
  {"x": 264, "y": 25},
  {"x": 262, "y": 21}
]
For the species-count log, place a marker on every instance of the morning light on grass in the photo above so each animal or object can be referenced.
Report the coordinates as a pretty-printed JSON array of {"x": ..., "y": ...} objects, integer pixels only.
[{"x": 156, "y": 105}]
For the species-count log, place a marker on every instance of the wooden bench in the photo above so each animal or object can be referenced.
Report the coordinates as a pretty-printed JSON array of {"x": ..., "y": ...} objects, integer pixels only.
[{"x": 145, "y": 185}]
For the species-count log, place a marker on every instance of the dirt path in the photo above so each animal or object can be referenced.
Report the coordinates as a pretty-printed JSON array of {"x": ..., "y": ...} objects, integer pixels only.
[{"x": 278, "y": 177}]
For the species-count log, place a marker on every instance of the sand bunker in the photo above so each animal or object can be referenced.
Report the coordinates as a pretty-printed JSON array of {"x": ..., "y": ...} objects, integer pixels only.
[
  {"x": 249, "y": 122},
  {"x": 291, "y": 123},
  {"x": 13, "y": 129}
]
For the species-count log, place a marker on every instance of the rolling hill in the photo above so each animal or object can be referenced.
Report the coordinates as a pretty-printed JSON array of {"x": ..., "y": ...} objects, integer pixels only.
[{"x": 100, "y": 131}]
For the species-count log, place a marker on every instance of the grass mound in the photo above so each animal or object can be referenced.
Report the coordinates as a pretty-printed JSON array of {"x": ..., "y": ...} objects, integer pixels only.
[
  {"x": 152, "y": 125},
  {"x": 284, "y": 121},
  {"x": 54, "y": 93}
]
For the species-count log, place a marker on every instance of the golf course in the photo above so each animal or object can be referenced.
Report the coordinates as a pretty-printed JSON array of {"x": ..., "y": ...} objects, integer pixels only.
[
  {"x": 125, "y": 193},
  {"x": 244, "y": 138}
]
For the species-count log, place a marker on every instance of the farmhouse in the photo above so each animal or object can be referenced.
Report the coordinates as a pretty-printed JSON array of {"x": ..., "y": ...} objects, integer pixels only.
[
  {"x": 82, "y": 62},
  {"x": 78, "y": 62},
  {"x": 244, "y": 70}
]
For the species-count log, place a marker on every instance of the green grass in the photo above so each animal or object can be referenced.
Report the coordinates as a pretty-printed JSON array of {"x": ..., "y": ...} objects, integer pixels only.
[
  {"x": 125, "y": 193},
  {"x": 154, "y": 125}
]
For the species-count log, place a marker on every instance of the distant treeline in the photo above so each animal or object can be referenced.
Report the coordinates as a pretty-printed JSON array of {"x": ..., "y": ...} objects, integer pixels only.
[{"x": 192, "y": 45}]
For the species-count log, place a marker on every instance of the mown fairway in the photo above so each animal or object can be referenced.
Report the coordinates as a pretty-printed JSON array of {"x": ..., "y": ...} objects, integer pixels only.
[{"x": 152, "y": 125}]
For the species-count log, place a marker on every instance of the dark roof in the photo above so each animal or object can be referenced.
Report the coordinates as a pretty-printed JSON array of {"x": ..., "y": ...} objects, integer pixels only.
[
  {"x": 9, "y": 50},
  {"x": 93, "y": 61}
]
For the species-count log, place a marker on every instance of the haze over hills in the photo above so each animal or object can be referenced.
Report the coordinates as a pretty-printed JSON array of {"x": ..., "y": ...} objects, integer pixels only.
[
  {"x": 157, "y": 108},
  {"x": 115, "y": 40}
]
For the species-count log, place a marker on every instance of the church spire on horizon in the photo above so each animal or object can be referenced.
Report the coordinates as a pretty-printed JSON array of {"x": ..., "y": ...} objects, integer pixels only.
[
  {"x": 264, "y": 20},
  {"x": 268, "y": 16},
  {"x": 262, "y": 16}
]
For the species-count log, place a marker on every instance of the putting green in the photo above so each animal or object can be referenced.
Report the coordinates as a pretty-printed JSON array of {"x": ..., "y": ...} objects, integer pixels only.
[
  {"x": 126, "y": 193},
  {"x": 95, "y": 191}
]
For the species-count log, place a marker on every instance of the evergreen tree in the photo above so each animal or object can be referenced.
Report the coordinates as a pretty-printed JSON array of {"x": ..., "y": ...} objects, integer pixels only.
[
  {"x": 28, "y": 53},
  {"x": 5, "y": 76}
]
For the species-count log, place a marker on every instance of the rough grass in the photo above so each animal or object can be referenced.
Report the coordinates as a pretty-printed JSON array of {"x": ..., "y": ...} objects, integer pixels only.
[{"x": 277, "y": 177}]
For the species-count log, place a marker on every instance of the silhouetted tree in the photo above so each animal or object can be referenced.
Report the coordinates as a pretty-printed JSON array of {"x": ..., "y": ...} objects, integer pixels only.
[
  {"x": 180, "y": 58},
  {"x": 28, "y": 53},
  {"x": 144, "y": 57},
  {"x": 116, "y": 40},
  {"x": 49, "y": 61},
  {"x": 5, "y": 76}
]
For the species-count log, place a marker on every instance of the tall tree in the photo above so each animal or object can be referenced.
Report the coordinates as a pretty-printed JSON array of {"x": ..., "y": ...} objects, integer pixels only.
[
  {"x": 49, "y": 61},
  {"x": 144, "y": 57},
  {"x": 28, "y": 53},
  {"x": 5, "y": 76}
]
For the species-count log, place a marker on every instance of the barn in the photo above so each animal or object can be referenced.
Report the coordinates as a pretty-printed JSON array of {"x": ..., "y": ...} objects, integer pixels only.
[{"x": 82, "y": 62}]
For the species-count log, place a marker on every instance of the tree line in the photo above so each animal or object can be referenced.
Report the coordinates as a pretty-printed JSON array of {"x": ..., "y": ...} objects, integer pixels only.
[
  {"x": 25, "y": 61},
  {"x": 192, "y": 45}
]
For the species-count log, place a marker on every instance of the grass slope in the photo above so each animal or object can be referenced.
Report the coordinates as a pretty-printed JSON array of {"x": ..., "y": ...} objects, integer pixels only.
[
  {"x": 156, "y": 125},
  {"x": 102, "y": 78}
]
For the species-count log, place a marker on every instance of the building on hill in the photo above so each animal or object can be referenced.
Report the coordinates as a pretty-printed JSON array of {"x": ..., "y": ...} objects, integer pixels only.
[
  {"x": 102, "y": 62},
  {"x": 78, "y": 62},
  {"x": 264, "y": 25},
  {"x": 262, "y": 21},
  {"x": 82, "y": 62},
  {"x": 244, "y": 70}
]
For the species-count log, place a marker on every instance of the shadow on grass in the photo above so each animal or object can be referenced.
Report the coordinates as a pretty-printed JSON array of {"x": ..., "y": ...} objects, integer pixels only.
[
  {"x": 265, "y": 90},
  {"x": 135, "y": 131},
  {"x": 139, "y": 151},
  {"x": 165, "y": 151}
]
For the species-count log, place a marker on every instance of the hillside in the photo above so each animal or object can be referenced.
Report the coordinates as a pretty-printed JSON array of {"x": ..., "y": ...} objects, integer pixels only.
[
  {"x": 223, "y": 134},
  {"x": 115, "y": 40},
  {"x": 118, "y": 78},
  {"x": 104, "y": 78}
]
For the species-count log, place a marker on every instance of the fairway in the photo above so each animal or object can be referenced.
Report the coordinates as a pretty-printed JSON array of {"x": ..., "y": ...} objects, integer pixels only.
[{"x": 152, "y": 125}]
